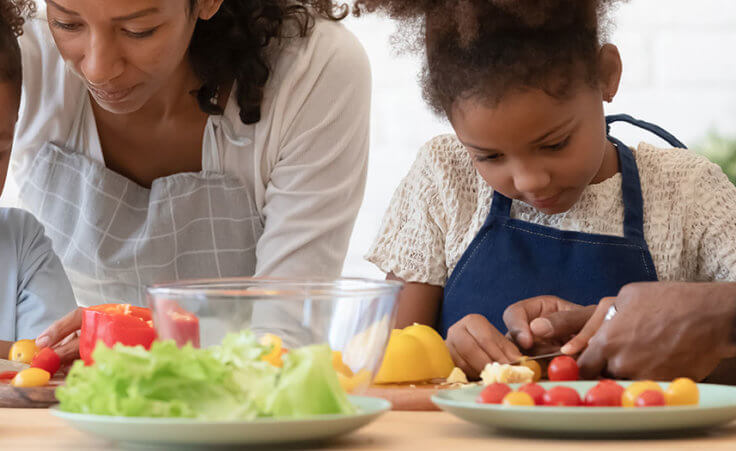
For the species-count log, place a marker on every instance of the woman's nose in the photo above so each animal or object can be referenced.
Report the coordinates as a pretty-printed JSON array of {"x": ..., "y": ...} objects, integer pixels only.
[{"x": 103, "y": 61}]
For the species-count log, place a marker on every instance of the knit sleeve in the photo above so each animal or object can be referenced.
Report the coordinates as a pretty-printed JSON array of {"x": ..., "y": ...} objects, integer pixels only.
[
  {"x": 711, "y": 224},
  {"x": 411, "y": 240}
]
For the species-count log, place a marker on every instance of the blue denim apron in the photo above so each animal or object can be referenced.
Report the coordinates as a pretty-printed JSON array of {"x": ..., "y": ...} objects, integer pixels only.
[{"x": 510, "y": 260}]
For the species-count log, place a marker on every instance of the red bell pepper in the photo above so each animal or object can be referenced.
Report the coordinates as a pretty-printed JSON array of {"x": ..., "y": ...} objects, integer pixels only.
[
  {"x": 115, "y": 323},
  {"x": 175, "y": 323}
]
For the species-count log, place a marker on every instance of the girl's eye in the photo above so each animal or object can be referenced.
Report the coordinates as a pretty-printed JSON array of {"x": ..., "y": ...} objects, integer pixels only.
[
  {"x": 66, "y": 26},
  {"x": 481, "y": 158},
  {"x": 141, "y": 34},
  {"x": 558, "y": 146}
]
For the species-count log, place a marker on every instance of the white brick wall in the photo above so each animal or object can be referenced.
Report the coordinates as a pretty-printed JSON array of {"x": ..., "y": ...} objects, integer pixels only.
[{"x": 679, "y": 71}]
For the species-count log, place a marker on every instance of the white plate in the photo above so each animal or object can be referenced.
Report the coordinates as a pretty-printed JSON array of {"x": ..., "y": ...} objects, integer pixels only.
[
  {"x": 717, "y": 407},
  {"x": 143, "y": 431}
]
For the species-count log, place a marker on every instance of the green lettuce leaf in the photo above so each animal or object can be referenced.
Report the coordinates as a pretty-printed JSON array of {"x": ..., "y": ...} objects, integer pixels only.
[
  {"x": 225, "y": 382},
  {"x": 308, "y": 385}
]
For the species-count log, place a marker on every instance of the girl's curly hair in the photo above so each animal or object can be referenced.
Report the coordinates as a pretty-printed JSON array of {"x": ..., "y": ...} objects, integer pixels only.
[
  {"x": 483, "y": 49},
  {"x": 12, "y": 18},
  {"x": 233, "y": 45}
]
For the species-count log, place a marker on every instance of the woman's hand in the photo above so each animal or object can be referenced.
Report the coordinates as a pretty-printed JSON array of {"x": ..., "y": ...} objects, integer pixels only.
[
  {"x": 63, "y": 336},
  {"x": 661, "y": 330},
  {"x": 544, "y": 321},
  {"x": 473, "y": 342}
]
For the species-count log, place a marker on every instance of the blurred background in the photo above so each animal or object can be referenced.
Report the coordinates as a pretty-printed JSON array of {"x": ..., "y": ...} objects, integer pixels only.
[{"x": 679, "y": 72}]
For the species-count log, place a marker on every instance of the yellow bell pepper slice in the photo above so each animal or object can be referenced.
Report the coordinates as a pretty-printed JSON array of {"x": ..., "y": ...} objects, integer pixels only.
[
  {"x": 352, "y": 383},
  {"x": 415, "y": 353},
  {"x": 274, "y": 355}
]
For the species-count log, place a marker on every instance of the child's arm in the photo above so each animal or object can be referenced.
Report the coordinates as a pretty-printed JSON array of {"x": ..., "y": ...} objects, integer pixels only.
[{"x": 418, "y": 303}]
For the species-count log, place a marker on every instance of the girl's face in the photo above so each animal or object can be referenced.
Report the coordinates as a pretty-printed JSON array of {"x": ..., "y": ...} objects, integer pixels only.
[
  {"x": 538, "y": 149},
  {"x": 126, "y": 51}
]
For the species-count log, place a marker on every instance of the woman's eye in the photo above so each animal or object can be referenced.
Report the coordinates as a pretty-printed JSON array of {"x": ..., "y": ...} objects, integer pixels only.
[
  {"x": 66, "y": 26},
  {"x": 558, "y": 146},
  {"x": 140, "y": 34}
]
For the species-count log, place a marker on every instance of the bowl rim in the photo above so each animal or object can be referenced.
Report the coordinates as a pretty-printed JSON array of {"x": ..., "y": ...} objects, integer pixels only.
[{"x": 248, "y": 287}]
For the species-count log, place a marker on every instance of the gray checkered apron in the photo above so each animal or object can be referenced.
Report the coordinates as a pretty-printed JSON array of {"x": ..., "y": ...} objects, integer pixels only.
[{"x": 114, "y": 236}]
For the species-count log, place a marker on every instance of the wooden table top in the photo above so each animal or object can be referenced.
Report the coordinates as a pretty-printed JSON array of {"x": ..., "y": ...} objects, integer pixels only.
[{"x": 37, "y": 429}]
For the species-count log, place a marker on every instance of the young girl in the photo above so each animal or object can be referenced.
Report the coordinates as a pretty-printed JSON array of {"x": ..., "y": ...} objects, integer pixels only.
[
  {"x": 531, "y": 196},
  {"x": 34, "y": 289}
]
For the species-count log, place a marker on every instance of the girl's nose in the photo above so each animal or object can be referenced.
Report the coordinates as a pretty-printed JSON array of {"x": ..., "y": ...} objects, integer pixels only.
[
  {"x": 103, "y": 61},
  {"x": 531, "y": 180}
]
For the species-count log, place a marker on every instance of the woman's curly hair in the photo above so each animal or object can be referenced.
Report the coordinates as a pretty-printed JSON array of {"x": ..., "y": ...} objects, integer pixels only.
[
  {"x": 483, "y": 49},
  {"x": 234, "y": 45},
  {"x": 12, "y": 18}
]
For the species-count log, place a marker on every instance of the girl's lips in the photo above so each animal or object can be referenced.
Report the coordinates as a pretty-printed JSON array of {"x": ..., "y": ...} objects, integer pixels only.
[
  {"x": 545, "y": 202},
  {"x": 109, "y": 95}
]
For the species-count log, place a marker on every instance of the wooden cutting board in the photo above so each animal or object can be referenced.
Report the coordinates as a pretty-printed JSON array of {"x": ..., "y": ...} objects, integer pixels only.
[
  {"x": 28, "y": 398},
  {"x": 414, "y": 397}
]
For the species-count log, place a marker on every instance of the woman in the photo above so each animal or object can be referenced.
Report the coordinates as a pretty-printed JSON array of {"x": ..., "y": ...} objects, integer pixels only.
[{"x": 169, "y": 139}]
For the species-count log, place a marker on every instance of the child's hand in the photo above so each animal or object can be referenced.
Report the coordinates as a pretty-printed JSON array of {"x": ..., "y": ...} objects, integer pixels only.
[
  {"x": 473, "y": 342},
  {"x": 63, "y": 336},
  {"x": 544, "y": 319}
]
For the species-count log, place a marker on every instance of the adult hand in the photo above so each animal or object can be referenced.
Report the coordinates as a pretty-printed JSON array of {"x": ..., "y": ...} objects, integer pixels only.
[
  {"x": 661, "y": 330},
  {"x": 63, "y": 336},
  {"x": 474, "y": 342},
  {"x": 547, "y": 321}
]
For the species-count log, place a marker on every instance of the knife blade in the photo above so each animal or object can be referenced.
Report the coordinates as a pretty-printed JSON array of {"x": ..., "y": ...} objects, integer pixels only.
[
  {"x": 537, "y": 357},
  {"x": 9, "y": 365}
]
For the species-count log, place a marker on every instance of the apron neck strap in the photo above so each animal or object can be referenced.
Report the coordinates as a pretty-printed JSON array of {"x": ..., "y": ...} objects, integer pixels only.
[
  {"x": 648, "y": 126},
  {"x": 630, "y": 192}
]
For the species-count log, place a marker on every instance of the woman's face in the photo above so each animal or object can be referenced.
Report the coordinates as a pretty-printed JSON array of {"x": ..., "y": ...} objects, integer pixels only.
[
  {"x": 126, "y": 51},
  {"x": 536, "y": 148}
]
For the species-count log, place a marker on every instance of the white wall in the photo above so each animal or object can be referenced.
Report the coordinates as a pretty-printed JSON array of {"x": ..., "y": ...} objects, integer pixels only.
[{"x": 679, "y": 72}]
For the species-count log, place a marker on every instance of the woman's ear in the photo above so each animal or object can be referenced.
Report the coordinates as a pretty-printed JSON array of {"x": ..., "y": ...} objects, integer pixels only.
[
  {"x": 609, "y": 71},
  {"x": 208, "y": 8}
]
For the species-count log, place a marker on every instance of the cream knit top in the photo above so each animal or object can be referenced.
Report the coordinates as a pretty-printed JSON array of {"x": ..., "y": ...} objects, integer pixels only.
[{"x": 689, "y": 214}]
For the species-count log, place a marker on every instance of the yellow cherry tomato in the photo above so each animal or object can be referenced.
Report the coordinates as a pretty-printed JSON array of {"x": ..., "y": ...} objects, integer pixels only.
[
  {"x": 518, "y": 398},
  {"x": 274, "y": 355},
  {"x": 682, "y": 392},
  {"x": 23, "y": 351},
  {"x": 31, "y": 377},
  {"x": 534, "y": 366},
  {"x": 628, "y": 398}
]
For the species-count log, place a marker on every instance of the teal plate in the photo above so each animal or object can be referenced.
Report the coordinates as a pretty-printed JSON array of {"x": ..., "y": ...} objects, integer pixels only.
[
  {"x": 153, "y": 432},
  {"x": 717, "y": 407}
]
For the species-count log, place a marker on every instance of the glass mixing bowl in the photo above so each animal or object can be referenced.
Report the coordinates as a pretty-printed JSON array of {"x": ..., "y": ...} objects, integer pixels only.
[{"x": 353, "y": 316}]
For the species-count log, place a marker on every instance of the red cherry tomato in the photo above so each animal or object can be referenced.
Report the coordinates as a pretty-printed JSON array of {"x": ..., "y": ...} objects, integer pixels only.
[
  {"x": 493, "y": 393},
  {"x": 605, "y": 394},
  {"x": 536, "y": 391},
  {"x": 650, "y": 398},
  {"x": 47, "y": 359},
  {"x": 7, "y": 375},
  {"x": 563, "y": 368},
  {"x": 562, "y": 396}
]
